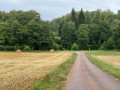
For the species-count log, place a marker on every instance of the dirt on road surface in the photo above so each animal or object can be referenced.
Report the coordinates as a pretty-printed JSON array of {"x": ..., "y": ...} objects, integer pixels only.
[{"x": 84, "y": 75}]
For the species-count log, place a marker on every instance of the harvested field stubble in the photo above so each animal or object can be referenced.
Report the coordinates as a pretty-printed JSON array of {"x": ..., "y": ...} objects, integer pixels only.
[
  {"x": 109, "y": 59},
  {"x": 19, "y": 71}
]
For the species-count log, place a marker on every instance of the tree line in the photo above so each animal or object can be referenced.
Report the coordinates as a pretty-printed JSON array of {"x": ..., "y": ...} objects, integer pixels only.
[
  {"x": 76, "y": 30},
  {"x": 24, "y": 30},
  {"x": 88, "y": 30}
]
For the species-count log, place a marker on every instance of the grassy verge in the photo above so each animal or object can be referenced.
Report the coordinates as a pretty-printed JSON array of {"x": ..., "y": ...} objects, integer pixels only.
[
  {"x": 56, "y": 79},
  {"x": 111, "y": 69}
]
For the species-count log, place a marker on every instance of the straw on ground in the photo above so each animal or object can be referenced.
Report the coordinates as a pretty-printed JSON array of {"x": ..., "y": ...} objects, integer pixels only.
[{"x": 22, "y": 70}]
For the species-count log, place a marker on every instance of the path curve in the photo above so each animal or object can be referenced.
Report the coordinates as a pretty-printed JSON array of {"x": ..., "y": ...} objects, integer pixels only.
[{"x": 84, "y": 75}]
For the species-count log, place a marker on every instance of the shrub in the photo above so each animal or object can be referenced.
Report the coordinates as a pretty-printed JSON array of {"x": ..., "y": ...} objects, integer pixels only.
[
  {"x": 118, "y": 44},
  {"x": 74, "y": 46},
  {"x": 26, "y": 47},
  {"x": 110, "y": 43},
  {"x": 1, "y": 47},
  {"x": 10, "y": 48},
  {"x": 60, "y": 47},
  {"x": 103, "y": 46},
  {"x": 55, "y": 46},
  {"x": 93, "y": 47}
]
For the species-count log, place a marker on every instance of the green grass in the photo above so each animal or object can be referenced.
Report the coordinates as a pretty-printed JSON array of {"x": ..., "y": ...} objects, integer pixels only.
[
  {"x": 102, "y": 52},
  {"x": 55, "y": 80},
  {"x": 111, "y": 69}
]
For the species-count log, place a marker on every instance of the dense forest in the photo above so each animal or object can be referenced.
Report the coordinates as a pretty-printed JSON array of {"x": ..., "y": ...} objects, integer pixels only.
[
  {"x": 78, "y": 30},
  {"x": 24, "y": 30}
]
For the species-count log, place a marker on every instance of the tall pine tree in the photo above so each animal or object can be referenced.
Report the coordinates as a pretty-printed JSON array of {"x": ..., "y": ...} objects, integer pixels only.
[
  {"x": 73, "y": 15},
  {"x": 81, "y": 18},
  {"x": 60, "y": 27}
]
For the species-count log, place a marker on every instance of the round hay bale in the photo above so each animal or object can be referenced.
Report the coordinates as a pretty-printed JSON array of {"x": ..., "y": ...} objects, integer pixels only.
[
  {"x": 51, "y": 51},
  {"x": 18, "y": 50}
]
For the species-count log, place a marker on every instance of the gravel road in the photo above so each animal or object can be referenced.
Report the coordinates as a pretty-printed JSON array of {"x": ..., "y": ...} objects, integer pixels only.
[{"x": 84, "y": 75}]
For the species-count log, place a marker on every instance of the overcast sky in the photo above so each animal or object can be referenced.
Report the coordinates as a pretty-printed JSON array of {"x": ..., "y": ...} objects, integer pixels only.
[{"x": 50, "y": 9}]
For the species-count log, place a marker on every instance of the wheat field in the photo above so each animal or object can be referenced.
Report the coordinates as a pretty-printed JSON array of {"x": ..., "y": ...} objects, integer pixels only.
[
  {"x": 110, "y": 59},
  {"x": 19, "y": 71}
]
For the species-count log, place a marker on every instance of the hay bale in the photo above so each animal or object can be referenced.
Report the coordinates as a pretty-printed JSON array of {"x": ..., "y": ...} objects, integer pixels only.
[
  {"x": 51, "y": 51},
  {"x": 18, "y": 50}
]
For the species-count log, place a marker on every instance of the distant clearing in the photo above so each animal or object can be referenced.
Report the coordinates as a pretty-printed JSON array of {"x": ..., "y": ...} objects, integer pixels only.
[{"x": 19, "y": 71}]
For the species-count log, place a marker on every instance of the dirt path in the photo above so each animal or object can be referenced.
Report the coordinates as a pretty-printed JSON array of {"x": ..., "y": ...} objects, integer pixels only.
[{"x": 86, "y": 76}]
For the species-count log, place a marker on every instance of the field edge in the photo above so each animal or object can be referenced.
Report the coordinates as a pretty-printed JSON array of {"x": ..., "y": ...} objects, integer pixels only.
[
  {"x": 110, "y": 69},
  {"x": 57, "y": 78}
]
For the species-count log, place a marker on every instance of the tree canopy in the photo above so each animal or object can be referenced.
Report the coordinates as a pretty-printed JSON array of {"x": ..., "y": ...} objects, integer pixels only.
[{"x": 77, "y": 30}]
